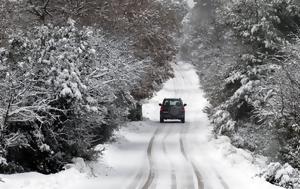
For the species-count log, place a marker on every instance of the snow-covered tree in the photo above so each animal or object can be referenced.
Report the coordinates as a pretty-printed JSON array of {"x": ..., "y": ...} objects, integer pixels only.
[
  {"x": 60, "y": 91},
  {"x": 246, "y": 53},
  {"x": 67, "y": 85},
  {"x": 282, "y": 175},
  {"x": 43, "y": 87}
]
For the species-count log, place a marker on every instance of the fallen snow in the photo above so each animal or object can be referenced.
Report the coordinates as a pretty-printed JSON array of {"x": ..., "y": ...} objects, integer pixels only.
[{"x": 215, "y": 157}]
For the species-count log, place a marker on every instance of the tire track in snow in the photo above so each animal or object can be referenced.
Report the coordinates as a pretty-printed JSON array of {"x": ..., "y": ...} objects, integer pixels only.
[
  {"x": 135, "y": 183},
  {"x": 224, "y": 184},
  {"x": 200, "y": 184},
  {"x": 222, "y": 181},
  {"x": 173, "y": 175},
  {"x": 151, "y": 173}
]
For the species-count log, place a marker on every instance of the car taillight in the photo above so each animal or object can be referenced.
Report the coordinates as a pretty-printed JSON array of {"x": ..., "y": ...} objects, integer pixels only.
[
  {"x": 161, "y": 109},
  {"x": 183, "y": 109}
]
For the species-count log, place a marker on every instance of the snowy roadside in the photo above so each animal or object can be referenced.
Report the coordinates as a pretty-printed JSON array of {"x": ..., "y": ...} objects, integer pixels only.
[
  {"x": 222, "y": 161},
  {"x": 221, "y": 165},
  {"x": 122, "y": 158},
  {"x": 112, "y": 170}
]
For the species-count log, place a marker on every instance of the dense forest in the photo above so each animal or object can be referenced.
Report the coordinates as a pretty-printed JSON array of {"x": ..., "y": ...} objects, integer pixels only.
[
  {"x": 71, "y": 71},
  {"x": 248, "y": 54}
]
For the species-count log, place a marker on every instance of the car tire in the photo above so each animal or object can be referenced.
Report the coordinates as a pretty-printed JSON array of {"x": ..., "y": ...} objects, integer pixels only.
[
  {"x": 161, "y": 120},
  {"x": 183, "y": 120}
]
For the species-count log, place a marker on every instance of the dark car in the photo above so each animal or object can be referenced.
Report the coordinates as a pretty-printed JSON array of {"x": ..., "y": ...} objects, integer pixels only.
[{"x": 172, "y": 108}]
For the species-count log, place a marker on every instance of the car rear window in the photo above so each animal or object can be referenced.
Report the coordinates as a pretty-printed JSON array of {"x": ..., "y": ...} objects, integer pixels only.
[{"x": 172, "y": 102}]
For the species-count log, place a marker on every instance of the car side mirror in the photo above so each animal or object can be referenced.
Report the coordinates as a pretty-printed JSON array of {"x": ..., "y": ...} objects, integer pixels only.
[
  {"x": 184, "y": 104},
  {"x": 160, "y": 104}
]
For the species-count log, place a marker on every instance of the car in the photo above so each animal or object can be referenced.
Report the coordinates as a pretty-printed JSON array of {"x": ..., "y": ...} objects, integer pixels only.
[{"x": 172, "y": 108}]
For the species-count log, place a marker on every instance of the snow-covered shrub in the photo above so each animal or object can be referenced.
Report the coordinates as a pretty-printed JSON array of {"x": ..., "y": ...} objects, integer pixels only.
[
  {"x": 263, "y": 27},
  {"x": 44, "y": 94},
  {"x": 222, "y": 121},
  {"x": 281, "y": 109},
  {"x": 264, "y": 24},
  {"x": 282, "y": 175},
  {"x": 150, "y": 24},
  {"x": 248, "y": 77},
  {"x": 149, "y": 28},
  {"x": 64, "y": 89}
]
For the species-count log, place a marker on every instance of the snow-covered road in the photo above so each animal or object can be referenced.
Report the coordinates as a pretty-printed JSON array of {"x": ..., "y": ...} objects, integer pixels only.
[
  {"x": 153, "y": 155},
  {"x": 187, "y": 155}
]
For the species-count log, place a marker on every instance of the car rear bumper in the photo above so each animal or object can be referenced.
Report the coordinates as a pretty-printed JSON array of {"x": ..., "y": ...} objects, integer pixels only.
[{"x": 169, "y": 116}]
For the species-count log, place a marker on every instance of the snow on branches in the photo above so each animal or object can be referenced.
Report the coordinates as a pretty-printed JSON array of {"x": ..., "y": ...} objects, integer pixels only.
[
  {"x": 64, "y": 88},
  {"x": 248, "y": 60},
  {"x": 282, "y": 175}
]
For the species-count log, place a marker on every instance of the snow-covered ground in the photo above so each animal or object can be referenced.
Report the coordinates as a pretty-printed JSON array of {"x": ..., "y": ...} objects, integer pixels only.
[{"x": 149, "y": 154}]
